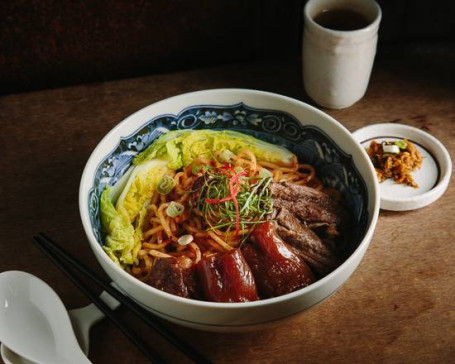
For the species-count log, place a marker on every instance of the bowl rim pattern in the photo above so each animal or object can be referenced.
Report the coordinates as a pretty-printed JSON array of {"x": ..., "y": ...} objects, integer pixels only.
[{"x": 96, "y": 157}]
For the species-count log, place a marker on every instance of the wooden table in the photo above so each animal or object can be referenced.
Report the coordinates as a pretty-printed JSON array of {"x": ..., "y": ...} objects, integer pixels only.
[{"x": 399, "y": 306}]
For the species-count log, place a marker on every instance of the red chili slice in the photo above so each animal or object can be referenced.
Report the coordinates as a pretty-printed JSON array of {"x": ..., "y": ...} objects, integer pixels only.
[
  {"x": 216, "y": 201},
  {"x": 226, "y": 166}
]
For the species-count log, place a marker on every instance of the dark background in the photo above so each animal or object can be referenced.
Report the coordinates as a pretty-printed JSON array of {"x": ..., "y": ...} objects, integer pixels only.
[{"x": 52, "y": 43}]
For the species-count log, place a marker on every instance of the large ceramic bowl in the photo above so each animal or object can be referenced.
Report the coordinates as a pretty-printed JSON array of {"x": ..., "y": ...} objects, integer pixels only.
[{"x": 314, "y": 136}]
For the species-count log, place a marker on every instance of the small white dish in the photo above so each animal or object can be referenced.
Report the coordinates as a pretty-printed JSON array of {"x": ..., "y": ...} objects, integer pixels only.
[{"x": 432, "y": 178}]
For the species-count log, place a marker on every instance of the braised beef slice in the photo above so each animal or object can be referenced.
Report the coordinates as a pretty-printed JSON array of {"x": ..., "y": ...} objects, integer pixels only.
[
  {"x": 277, "y": 269},
  {"x": 175, "y": 276},
  {"x": 316, "y": 253},
  {"x": 308, "y": 204},
  {"x": 227, "y": 278}
]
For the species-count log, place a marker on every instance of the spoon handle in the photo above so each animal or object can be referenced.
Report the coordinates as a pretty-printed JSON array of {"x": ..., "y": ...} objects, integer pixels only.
[{"x": 84, "y": 318}]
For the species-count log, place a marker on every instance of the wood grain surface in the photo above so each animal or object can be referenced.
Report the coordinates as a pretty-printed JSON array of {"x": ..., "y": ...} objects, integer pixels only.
[{"x": 399, "y": 305}]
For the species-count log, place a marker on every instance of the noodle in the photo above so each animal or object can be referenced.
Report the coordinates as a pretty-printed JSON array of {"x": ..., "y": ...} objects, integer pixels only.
[
  {"x": 160, "y": 239},
  {"x": 219, "y": 240},
  {"x": 153, "y": 246},
  {"x": 215, "y": 245},
  {"x": 153, "y": 231},
  {"x": 163, "y": 220},
  {"x": 197, "y": 251},
  {"x": 252, "y": 158},
  {"x": 154, "y": 200},
  {"x": 158, "y": 254}
]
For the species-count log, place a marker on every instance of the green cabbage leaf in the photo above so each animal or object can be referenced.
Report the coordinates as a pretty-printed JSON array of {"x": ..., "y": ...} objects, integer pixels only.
[
  {"x": 123, "y": 222},
  {"x": 180, "y": 147}
]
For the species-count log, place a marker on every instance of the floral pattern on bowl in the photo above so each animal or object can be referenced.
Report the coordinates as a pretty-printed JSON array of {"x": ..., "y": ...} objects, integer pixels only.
[{"x": 311, "y": 145}]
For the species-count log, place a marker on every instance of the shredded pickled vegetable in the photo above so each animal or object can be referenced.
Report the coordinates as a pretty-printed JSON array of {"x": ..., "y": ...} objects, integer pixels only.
[{"x": 395, "y": 165}]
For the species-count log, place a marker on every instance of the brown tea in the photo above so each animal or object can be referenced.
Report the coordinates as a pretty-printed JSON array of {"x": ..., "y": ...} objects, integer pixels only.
[{"x": 341, "y": 19}]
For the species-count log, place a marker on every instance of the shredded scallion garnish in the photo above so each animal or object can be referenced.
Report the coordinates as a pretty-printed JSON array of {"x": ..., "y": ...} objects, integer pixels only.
[{"x": 252, "y": 197}]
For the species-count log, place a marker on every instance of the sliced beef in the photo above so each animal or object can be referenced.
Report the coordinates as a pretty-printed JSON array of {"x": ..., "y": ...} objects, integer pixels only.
[
  {"x": 308, "y": 204},
  {"x": 175, "y": 276},
  {"x": 316, "y": 253},
  {"x": 277, "y": 269},
  {"x": 227, "y": 278}
]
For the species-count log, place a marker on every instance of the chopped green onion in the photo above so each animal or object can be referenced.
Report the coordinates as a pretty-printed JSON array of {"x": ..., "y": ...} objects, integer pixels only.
[
  {"x": 390, "y": 149},
  {"x": 185, "y": 239},
  {"x": 401, "y": 144},
  {"x": 165, "y": 185},
  {"x": 227, "y": 156},
  {"x": 195, "y": 169},
  {"x": 175, "y": 209},
  {"x": 265, "y": 173}
]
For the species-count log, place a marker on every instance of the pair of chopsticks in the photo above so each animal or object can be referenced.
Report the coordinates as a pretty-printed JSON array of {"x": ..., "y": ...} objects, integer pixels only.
[{"x": 63, "y": 260}]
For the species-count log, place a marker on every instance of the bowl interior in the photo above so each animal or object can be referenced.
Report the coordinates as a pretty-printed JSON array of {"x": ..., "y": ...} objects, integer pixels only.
[{"x": 310, "y": 143}]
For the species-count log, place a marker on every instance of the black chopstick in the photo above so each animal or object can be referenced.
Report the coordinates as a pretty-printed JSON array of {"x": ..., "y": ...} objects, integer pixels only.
[
  {"x": 146, "y": 316},
  {"x": 126, "y": 330}
]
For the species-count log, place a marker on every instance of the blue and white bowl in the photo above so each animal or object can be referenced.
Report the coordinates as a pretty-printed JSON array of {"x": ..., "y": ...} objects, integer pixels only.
[{"x": 312, "y": 135}]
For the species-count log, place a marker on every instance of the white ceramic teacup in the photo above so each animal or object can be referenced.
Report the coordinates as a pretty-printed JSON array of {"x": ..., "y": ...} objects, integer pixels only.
[{"x": 337, "y": 63}]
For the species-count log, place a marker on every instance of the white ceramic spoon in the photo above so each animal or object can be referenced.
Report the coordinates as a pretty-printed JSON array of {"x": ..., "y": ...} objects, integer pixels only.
[
  {"x": 35, "y": 326},
  {"x": 82, "y": 320}
]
